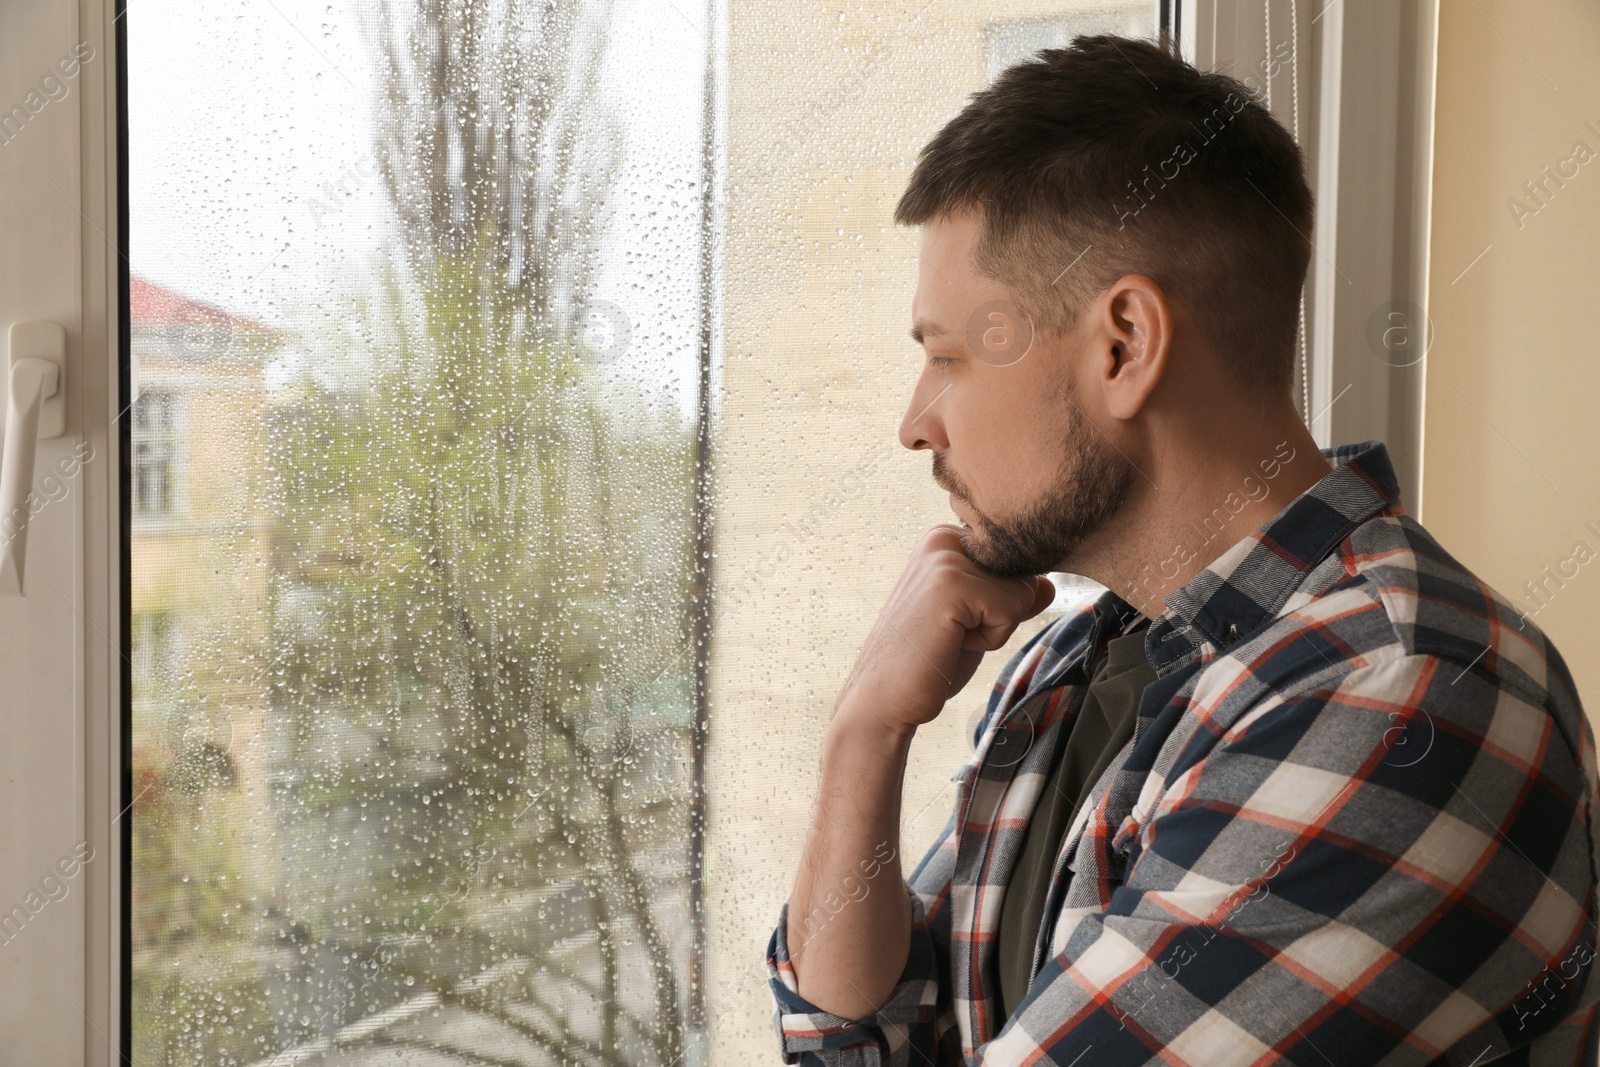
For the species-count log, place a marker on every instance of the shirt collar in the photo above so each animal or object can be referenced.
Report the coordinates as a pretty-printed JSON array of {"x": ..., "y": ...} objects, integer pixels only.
[{"x": 1252, "y": 580}]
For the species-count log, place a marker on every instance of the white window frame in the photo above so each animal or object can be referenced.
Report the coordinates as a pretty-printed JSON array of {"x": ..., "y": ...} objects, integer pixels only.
[
  {"x": 62, "y": 641},
  {"x": 1365, "y": 93}
]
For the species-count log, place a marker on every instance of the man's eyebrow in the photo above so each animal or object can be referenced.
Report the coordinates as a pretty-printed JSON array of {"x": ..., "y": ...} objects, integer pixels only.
[{"x": 923, "y": 328}]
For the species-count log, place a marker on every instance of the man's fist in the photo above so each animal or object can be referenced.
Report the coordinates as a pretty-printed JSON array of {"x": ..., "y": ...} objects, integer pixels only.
[{"x": 944, "y": 613}]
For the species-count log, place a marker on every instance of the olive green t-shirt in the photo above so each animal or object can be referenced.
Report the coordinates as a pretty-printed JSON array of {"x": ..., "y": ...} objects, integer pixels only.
[{"x": 1103, "y": 725}]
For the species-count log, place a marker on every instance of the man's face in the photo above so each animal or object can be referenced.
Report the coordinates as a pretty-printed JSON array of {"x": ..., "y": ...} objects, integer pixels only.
[{"x": 1030, "y": 476}]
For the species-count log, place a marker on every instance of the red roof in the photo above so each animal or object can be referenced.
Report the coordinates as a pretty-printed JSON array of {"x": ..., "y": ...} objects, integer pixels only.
[{"x": 150, "y": 303}]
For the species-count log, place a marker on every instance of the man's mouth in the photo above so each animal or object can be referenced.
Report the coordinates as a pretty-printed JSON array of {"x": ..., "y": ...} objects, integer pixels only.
[{"x": 943, "y": 478}]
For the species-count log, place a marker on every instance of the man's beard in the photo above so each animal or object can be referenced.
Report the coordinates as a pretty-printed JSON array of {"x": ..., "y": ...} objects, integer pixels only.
[{"x": 1089, "y": 488}]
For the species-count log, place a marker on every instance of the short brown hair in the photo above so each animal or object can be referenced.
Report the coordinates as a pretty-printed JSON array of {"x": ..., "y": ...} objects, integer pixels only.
[{"x": 1118, "y": 151}]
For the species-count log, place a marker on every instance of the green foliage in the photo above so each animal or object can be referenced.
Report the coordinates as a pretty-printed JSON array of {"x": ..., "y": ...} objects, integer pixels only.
[
  {"x": 479, "y": 681},
  {"x": 480, "y": 599}
]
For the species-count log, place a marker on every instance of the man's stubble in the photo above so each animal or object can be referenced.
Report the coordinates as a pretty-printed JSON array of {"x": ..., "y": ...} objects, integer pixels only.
[{"x": 1090, "y": 486}]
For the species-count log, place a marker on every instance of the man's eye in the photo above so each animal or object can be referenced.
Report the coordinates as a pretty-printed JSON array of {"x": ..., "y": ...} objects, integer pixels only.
[{"x": 938, "y": 364}]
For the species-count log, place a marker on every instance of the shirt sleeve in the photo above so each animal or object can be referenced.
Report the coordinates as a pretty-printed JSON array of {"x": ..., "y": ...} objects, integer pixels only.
[
  {"x": 901, "y": 1032},
  {"x": 1350, "y": 877},
  {"x": 915, "y": 1026}
]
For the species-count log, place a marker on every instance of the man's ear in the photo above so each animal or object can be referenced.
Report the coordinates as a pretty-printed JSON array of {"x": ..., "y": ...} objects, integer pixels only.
[{"x": 1135, "y": 338}]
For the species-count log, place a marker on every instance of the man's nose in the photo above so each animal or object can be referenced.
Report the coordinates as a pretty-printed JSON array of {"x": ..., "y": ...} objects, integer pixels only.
[{"x": 921, "y": 427}]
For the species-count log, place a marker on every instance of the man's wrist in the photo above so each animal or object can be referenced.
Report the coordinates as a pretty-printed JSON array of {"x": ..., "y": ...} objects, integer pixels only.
[{"x": 862, "y": 726}]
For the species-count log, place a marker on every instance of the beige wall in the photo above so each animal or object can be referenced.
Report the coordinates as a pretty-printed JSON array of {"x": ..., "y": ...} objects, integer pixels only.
[
  {"x": 1511, "y": 439},
  {"x": 819, "y": 506}
]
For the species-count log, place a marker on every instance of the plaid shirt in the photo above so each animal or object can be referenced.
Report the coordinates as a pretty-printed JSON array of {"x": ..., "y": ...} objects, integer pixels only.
[{"x": 1355, "y": 825}]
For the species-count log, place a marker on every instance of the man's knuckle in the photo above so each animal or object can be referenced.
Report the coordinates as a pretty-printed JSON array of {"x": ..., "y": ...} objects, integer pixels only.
[{"x": 947, "y": 580}]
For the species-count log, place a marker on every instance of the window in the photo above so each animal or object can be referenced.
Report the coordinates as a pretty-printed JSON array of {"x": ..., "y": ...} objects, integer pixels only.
[
  {"x": 1011, "y": 41},
  {"x": 157, "y": 453},
  {"x": 154, "y": 653},
  {"x": 523, "y": 380}
]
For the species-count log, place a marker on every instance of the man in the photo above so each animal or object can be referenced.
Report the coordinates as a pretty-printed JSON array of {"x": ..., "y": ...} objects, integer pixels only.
[{"x": 1298, "y": 787}]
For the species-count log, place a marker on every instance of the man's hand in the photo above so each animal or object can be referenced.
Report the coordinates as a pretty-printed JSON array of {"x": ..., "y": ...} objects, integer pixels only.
[{"x": 944, "y": 613}]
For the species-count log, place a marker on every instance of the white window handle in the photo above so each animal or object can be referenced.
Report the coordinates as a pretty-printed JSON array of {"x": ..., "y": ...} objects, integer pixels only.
[{"x": 35, "y": 408}]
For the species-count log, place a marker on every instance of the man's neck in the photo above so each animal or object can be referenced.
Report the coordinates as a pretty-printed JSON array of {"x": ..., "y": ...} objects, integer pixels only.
[{"x": 1193, "y": 504}]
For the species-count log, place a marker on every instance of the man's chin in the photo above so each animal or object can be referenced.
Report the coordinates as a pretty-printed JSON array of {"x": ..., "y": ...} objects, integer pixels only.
[
  {"x": 973, "y": 544},
  {"x": 1003, "y": 561}
]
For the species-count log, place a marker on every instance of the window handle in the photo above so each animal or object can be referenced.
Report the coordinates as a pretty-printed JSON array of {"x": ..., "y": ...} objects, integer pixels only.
[{"x": 35, "y": 408}]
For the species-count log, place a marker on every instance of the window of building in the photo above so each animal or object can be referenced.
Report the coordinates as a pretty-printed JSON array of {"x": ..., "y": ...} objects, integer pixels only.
[
  {"x": 157, "y": 453},
  {"x": 154, "y": 653}
]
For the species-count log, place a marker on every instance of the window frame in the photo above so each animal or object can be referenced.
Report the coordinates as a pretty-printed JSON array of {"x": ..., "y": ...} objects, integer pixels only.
[
  {"x": 1372, "y": 225},
  {"x": 1365, "y": 93}
]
